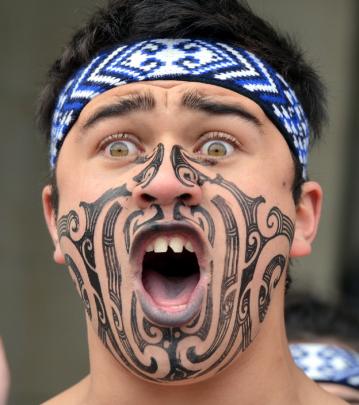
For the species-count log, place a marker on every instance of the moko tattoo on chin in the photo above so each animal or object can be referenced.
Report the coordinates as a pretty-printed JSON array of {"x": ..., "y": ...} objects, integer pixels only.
[{"x": 222, "y": 281}]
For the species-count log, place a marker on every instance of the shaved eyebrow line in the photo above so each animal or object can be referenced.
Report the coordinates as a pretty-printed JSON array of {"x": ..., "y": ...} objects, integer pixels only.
[
  {"x": 125, "y": 105},
  {"x": 196, "y": 101}
]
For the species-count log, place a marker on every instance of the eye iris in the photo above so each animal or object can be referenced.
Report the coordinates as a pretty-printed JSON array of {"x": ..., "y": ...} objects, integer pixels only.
[
  {"x": 217, "y": 149},
  {"x": 119, "y": 149}
]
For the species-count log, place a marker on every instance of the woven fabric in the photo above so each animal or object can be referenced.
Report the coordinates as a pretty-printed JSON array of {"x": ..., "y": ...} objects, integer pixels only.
[
  {"x": 191, "y": 60},
  {"x": 327, "y": 363}
]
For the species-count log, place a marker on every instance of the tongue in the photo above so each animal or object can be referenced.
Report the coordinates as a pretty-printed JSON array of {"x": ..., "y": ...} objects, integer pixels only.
[{"x": 169, "y": 291}]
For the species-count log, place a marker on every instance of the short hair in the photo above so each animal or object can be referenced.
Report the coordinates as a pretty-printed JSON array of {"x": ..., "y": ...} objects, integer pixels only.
[{"x": 229, "y": 21}]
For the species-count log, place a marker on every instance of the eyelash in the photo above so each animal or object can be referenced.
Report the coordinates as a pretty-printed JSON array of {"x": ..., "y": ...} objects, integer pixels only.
[
  {"x": 218, "y": 136},
  {"x": 206, "y": 138},
  {"x": 119, "y": 137}
]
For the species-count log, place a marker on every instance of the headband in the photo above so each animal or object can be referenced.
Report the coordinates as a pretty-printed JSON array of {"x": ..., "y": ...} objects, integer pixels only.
[
  {"x": 327, "y": 363},
  {"x": 192, "y": 60}
]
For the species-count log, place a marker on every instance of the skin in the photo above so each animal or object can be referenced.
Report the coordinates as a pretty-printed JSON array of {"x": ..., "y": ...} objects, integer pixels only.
[
  {"x": 350, "y": 395},
  {"x": 227, "y": 336},
  {"x": 4, "y": 375}
]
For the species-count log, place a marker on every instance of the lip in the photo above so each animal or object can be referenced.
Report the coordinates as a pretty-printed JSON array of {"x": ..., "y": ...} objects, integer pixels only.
[
  {"x": 175, "y": 315},
  {"x": 172, "y": 316}
]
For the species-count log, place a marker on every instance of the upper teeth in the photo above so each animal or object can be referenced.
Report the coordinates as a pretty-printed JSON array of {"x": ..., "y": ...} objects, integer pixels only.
[{"x": 176, "y": 243}]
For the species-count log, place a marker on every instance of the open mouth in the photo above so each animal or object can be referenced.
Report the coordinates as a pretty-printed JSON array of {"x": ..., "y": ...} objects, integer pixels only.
[
  {"x": 170, "y": 272},
  {"x": 171, "y": 281}
]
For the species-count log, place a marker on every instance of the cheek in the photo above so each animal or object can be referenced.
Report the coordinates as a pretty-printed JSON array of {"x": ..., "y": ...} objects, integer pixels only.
[
  {"x": 79, "y": 181},
  {"x": 87, "y": 240},
  {"x": 268, "y": 170},
  {"x": 270, "y": 269},
  {"x": 253, "y": 239},
  {"x": 80, "y": 276},
  {"x": 112, "y": 258}
]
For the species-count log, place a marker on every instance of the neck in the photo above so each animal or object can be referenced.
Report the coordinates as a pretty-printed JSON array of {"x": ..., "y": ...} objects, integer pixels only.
[{"x": 263, "y": 374}]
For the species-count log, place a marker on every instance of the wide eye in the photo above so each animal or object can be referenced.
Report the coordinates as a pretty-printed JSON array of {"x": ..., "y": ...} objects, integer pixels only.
[
  {"x": 216, "y": 148},
  {"x": 119, "y": 146}
]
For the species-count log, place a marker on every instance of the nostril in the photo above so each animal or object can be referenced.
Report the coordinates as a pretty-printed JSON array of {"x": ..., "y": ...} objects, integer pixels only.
[
  {"x": 148, "y": 198},
  {"x": 185, "y": 197}
]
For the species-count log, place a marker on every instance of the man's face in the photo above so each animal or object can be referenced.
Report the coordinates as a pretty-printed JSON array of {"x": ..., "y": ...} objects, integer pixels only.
[{"x": 175, "y": 220}]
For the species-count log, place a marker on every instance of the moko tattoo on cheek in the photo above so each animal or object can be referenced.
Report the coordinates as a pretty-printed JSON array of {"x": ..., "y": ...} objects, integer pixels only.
[{"x": 176, "y": 297}]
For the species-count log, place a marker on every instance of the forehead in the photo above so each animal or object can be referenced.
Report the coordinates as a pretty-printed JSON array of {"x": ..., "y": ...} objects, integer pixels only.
[{"x": 169, "y": 93}]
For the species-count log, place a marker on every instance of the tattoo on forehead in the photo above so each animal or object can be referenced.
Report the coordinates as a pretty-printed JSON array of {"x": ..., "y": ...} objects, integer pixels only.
[{"x": 141, "y": 345}]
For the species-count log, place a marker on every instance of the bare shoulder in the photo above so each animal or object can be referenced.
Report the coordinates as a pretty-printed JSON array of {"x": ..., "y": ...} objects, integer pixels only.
[
  {"x": 314, "y": 394},
  {"x": 328, "y": 399},
  {"x": 72, "y": 396},
  {"x": 333, "y": 400}
]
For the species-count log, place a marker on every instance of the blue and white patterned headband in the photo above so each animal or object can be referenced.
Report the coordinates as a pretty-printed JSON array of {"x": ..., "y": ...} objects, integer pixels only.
[
  {"x": 190, "y": 60},
  {"x": 327, "y": 363}
]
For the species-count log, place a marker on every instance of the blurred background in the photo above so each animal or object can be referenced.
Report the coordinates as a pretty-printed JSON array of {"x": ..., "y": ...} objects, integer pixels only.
[{"x": 41, "y": 317}]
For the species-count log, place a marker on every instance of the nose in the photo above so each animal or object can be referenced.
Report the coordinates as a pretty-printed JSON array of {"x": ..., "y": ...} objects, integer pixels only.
[{"x": 166, "y": 188}]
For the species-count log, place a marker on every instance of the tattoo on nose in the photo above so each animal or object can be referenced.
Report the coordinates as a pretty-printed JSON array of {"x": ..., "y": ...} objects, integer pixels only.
[
  {"x": 145, "y": 177},
  {"x": 184, "y": 172},
  {"x": 244, "y": 268}
]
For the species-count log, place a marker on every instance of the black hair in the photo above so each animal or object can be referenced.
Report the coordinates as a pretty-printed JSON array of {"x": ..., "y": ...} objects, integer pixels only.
[
  {"x": 309, "y": 319},
  {"x": 230, "y": 21}
]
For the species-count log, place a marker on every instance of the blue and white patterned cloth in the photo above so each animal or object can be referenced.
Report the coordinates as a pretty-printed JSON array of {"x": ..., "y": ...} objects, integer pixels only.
[
  {"x": 190, "y": 60},
  {"x": 327, "y": 363}
]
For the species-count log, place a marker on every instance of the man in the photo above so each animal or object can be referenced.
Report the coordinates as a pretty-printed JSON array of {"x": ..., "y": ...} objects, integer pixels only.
[{"x": 179, "y": 134}]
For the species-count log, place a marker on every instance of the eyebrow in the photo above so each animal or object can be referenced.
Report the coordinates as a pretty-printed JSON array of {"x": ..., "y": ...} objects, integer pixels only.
[
  {"x": 197, "y": 101},
  {"x": 193, "y": 100},
  {"x": 123, "y": 106}
]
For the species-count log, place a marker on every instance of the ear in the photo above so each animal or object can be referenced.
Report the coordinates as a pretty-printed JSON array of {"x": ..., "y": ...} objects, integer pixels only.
[
  {"x": 50, "y": 218},
  {"x": 307, "y": 219}
]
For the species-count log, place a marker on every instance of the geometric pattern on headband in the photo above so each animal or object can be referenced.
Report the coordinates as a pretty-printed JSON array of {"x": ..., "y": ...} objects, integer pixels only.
[
  {"x": 190, "y": 60},
  {"x": 327, "y": 363}
]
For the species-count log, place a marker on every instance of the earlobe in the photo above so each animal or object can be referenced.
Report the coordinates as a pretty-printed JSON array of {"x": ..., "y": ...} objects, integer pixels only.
[
  {"x": 50, "y": 218},
  {"x": 308, "y": 213}
]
